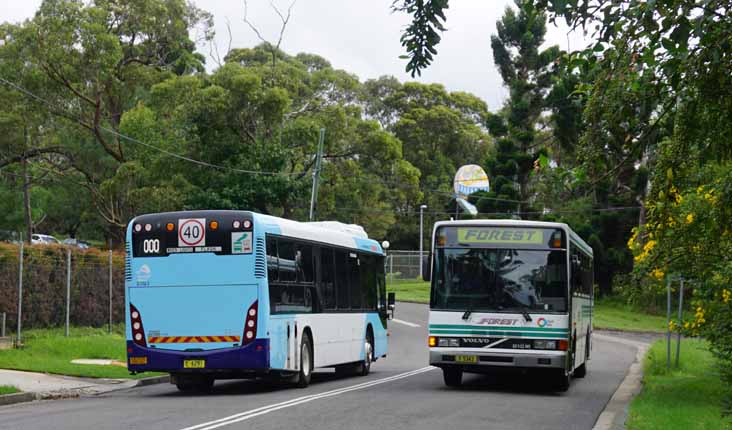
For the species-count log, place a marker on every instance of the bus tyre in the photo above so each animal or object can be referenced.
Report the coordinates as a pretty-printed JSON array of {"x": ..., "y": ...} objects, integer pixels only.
[
  {"x": 363, "y": 368},
  {"x": 561, "y": 381},
  {"x": 453, "y": 376},
  {"x": 202, "y": 384},
  {"x": 302, "y": 379}
]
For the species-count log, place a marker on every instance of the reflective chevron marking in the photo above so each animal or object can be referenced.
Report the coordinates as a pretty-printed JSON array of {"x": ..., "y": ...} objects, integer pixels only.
[{"x": 192, "y": 339}]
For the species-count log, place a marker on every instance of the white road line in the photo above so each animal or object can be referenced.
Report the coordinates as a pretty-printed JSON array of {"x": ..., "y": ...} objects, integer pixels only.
[
  {"x": 405, "y": 323},
  {"x": 305, "y": 399}
]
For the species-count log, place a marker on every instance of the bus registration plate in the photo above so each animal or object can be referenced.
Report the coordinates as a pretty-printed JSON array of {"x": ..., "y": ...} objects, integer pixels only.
[
  {"x": 466, "y": 359},
  {"x": 194, "y": 364}
]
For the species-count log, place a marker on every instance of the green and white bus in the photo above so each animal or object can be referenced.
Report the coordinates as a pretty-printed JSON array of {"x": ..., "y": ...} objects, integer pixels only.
[{"x": 510, "y": 294}]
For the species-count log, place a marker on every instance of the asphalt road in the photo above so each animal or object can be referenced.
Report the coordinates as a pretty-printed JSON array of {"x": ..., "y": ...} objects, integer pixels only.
[{"x": 400, "y": 393}]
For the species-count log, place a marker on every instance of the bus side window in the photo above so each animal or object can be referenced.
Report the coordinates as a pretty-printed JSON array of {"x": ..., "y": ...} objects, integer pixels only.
[
  {"x": 286, "y": 252},
  {"x": 368, "y": 281},
  {"x": 304, "y": 262},
  {"x": 327, "y": 279},
  {"x": 380, "y": 271},
  {"x": 354, "y": 281},
  {"x": 272, "y": 263},
  {"x": 576, "y": 271},
  {"x": 341, "y": 263}
]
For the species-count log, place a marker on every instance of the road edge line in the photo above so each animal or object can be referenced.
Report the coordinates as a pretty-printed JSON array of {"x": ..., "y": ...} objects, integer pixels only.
[{"x": 615, "y": 412}]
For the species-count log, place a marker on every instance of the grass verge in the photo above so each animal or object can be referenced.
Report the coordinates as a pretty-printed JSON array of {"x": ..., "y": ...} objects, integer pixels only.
[
  {"x": 611, "y": 314},
  {"x": 410, "y": 291},
  {"x": 8, "y": 389},
  {"x": 687, "y": 398},
  {"x": 49, "y": 351}
]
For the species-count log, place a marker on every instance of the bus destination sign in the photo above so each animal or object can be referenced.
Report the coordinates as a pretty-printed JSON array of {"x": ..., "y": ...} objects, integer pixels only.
[{"x": 486, "y": 235}]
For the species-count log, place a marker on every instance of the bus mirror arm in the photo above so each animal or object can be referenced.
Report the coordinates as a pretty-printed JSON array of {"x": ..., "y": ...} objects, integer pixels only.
[{"x": 391, "y": 303}]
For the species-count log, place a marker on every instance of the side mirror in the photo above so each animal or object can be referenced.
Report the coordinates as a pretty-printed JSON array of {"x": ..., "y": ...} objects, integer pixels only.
[
  {"x": 575, "y": 261},
  {"x": 391, "y": 303},
  {"x": 426, "y": 269}
]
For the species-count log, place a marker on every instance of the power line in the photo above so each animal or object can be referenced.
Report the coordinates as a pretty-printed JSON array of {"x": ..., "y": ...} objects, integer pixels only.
[{"x": 139, "y": 142}]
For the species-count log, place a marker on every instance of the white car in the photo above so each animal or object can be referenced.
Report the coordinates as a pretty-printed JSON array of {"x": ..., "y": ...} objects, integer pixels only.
[
  {"x": 44, "y": 239},
  {"x": 77, "y": 243}
]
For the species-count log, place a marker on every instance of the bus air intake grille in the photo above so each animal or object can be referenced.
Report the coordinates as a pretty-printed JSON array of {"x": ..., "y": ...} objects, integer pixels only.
[
  {"x": 260, "y": 264},
  {"x": 128, "y": 262}
]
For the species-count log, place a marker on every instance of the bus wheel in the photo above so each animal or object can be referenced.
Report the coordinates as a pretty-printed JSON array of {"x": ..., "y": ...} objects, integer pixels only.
[
  {"x": 363, "y": 368},
  {"x": 306, "y": 363},
  {"x": 561, "y": 381},
  {"x": 453, "y": 376},
  {"x": 202, "y": 384}
]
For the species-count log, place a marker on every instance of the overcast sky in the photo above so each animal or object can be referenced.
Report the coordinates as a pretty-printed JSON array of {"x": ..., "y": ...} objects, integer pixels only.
[{"x": 362, "y": 37}]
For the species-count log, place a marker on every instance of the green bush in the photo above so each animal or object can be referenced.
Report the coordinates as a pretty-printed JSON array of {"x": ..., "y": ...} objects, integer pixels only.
[{"x": 44, "y": 286}]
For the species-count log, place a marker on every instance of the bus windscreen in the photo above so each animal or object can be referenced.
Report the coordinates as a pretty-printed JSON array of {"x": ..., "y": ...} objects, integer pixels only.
[{"x": 500, "y": 280}]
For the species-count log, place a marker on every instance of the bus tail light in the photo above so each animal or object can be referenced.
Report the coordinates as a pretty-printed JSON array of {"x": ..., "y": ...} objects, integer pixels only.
[
  {"x": 432, "y": 341},
  {"x": 563, "y": 345},
  {"x": 138, "y": 332},
  {"x": 250, "y": 326}
]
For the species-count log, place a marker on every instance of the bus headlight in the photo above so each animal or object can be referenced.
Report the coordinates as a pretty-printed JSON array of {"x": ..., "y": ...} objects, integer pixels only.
[
  {"x": 432, "y": 341},
  {"x": 448, "y": 342},
  {"x": 545, "y": 344}
]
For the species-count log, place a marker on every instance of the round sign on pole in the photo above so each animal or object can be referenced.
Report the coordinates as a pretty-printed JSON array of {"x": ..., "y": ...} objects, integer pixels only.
[{"x": 469, "y": 179}]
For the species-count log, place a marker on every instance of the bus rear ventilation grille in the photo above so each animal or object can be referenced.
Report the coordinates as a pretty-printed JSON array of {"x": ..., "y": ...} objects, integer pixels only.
[
  {"x": 260, "y": 264},
  {"x": 128, "y": 262}
]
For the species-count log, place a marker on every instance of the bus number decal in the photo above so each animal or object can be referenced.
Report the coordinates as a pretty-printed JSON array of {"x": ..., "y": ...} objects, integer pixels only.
[
  {"x": 192, "y": 232},
  {"x": 151, "y": 246}
]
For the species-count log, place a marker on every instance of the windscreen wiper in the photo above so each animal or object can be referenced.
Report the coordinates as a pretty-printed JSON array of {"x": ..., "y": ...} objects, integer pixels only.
[
  {"x": 467, "y": 313},
  {"x": 525, "y": 313}
]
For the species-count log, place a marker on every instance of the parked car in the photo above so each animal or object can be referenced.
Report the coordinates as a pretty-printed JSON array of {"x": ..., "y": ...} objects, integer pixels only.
[
  {"x": 76, "y": 242},
  {"x": 44, "y": 239}
]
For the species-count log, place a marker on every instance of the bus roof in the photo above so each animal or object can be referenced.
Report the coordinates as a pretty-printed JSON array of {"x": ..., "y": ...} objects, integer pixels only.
[
  {"x": 330, "y": 232},
  {"x": 518, "y": 223}
]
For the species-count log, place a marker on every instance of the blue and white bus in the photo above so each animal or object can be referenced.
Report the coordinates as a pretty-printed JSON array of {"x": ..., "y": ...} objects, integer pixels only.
[{"x": 236, "y": 294}]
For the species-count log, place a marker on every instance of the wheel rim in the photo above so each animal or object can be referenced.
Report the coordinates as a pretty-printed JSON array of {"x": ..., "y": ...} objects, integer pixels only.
[
  {"x": 369, "y": 354},
  {"x": 305, "y": 360}
]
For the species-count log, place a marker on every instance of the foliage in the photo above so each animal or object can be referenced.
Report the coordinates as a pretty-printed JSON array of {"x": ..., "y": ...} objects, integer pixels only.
[
  {"x": 683, "y": 398},
  {"x": 527, "y": 72},
  {"x": 44, "y": 286},
  {"x": 8, "y": 389},
  {"x": 421, "y": 37}
]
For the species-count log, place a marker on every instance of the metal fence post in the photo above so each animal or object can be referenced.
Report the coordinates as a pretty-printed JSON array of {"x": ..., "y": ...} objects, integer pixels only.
[
  {"x": 3, "y": 332},
  {"x": 110, "y": 286},
  {"x": 20, "y": 293},
  {"x": 68, "y": 289},
  {"x": 668, "y": 323},
  {"x": 678, "y": 335},
  {"x": 391, "y": 267}
]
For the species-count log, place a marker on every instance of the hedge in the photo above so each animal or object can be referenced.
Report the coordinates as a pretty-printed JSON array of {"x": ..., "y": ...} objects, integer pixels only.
[{"x": 44, "y": 286}]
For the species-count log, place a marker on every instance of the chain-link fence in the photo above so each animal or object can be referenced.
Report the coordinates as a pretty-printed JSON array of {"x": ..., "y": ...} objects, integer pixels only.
[
  {"x": 53, "y": 280},
  {"x": 403, "y": 265}
]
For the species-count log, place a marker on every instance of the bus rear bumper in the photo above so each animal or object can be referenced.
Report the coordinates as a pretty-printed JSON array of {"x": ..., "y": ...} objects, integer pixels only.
[
  {"x": 252, "y": 358},
  {"x": 446, "y": 357}
]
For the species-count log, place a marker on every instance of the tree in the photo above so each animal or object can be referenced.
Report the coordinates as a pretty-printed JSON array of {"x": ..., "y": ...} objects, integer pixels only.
[
  {"x": 527, "y": 71},
  {"x": 95, "y": 60}
]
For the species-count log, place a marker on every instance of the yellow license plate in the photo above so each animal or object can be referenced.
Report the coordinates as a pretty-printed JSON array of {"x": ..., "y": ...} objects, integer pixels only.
[
  {"x": 466, "y": 359},
  {"x": 194, "y": 364},
  {"x": 138, "y": 360}
]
